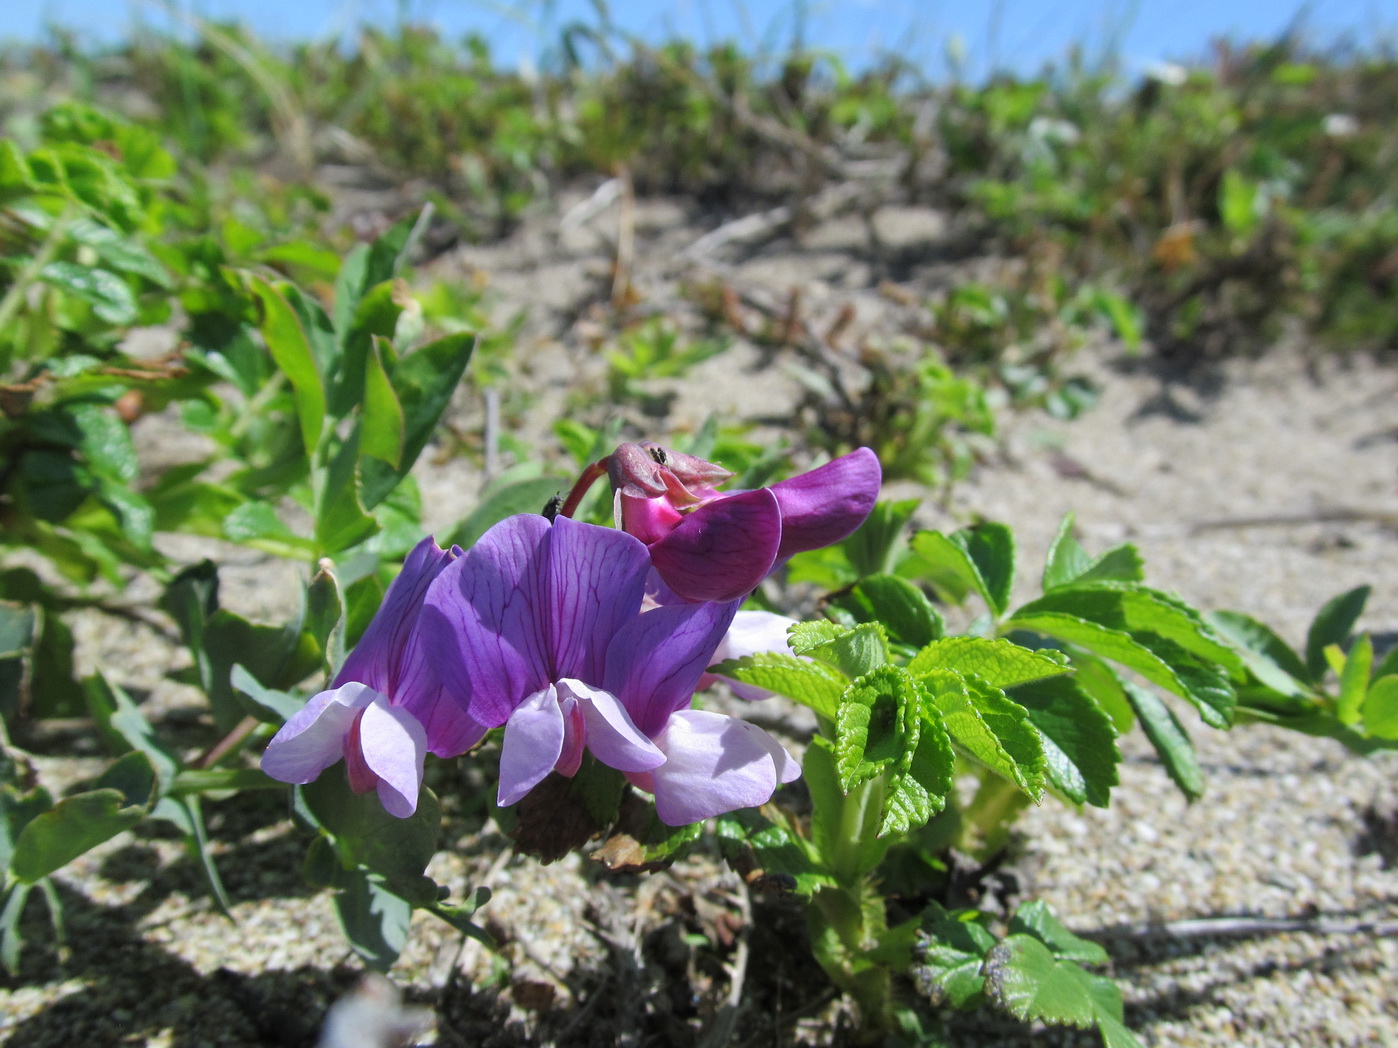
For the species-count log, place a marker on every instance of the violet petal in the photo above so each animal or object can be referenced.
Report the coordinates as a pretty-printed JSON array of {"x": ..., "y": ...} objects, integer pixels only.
[
  {"x": 828, "y": 503},
  {"x": 655, "y": 660},
  {"x": 611, "y": 735},
  {"x": 596, "y": 578},
  {"x": 722, "y": 550},
  {"x": 483, "y": 618},
  {"x": 714, "y": 764},
  {"x": 313, "y": 738},
  {"x": 394, "y": 744},
  {"x": 532, "y": 745}
]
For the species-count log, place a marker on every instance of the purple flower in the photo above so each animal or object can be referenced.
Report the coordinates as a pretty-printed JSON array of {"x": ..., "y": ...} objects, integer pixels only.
[
  {"x": 539, "y": 627},
  {"x": 707, "y": 545},
  {"x": 385, "y": 709}
]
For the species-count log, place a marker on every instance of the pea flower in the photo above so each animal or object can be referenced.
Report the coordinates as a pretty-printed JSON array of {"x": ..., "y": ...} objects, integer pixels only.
[
  {"x": 709, "y": 545},
  {"x": 539, "y": 627},
  {"x": 385, "y": 708}
]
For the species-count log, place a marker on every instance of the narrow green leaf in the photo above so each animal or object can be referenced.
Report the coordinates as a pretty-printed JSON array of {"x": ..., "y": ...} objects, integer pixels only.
[
  {"x": 324, "y": 617},
  {"x": 998, "y": 662},
  {"x": 382, "y": 428},
  {"x": 287, "y": 342},
  {"x": 1354, "y": 680},
  {"x": 1332, "y": 625},
  {"x": 187, "y": 814},
  {"x": 1270, "y": 660},
  {"x": 816, "y": 685},
  {"x": 1381, "y": 708},
  {"x": 11, "y": 942},
  {"x": 1169, "y": 738},
  {"x": 342, "y": 520},
  {"x": 113, "y": 709}
]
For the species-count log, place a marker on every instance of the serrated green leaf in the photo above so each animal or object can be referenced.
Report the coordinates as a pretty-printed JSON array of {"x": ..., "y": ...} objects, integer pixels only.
[
  {"x": 877, "y": 725},
  {"x": 949, "y": 954},
  {"x": 816, "y": 685},
  {"x": 980, "y": 558},
  {"x": 853, "y": 651},
  {"x": 1332, "y": 625},
  {"x": 1168, "y": 736},
  {"x": 751, "y": 841},
  {"x": 1079, "y": 739},
  {"x": 1380, "y": 711},
  {"x": 998, "y": 662},
  {"x": 1023, "y": 977},
  {"x": 1034, "y": 918},
  {"x": 1133, "y": 608},
  {"x": 1354, "y": 680},
  {"x": 989, "y": 727}
]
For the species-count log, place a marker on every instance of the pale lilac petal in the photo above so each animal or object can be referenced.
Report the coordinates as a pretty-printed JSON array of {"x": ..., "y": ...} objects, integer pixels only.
[
  {"x": 379, "y": 657},
  {"x": 829, "y": 503},
  {"x": 611, "y": 735},
  {"x": 532, "y": 745},
  {"x": 483, "y": 620},
  {"x": 313, "y": 738},
  {"x": 596, "y": 578},
  {"x": 655, "y": 660},
  {"x": 394, "y": 745},
  {"x": 722, "y": 550},
  {"x": 752, "y": 632},
  {"x": 715, "y": 764}
]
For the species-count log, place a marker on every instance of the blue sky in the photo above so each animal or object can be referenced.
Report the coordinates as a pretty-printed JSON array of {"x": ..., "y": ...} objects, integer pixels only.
[{"x": 1015, "y": 34}]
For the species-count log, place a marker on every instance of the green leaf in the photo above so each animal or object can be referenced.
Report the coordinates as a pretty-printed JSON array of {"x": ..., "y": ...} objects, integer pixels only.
[
  {"x": 1080, "y": 750},
  {"x": 844, "y": 829},
  {"x": 981, "y": 558},
  {"x": 998, "y": 662},
  {"x": 906, "y": 613},
  {"x": 853, "y": 651},
  {"x": 382, "y": 429},
  {"x": 397, "y": 849},
  {"x": 949, "y": 954},
  {"x": 876, "y": 726},
  {"x": 1381, "y": 708},
  {"x": 324, "y": 618},
  {"x": 375, "y": 919},
  {"x": 816, "y": 685},
  {"x": 257, "y": 524},
  {"x": 873, "y": 549},
  {"x": 1354, "y": 680},
  {"x": 1133, "y": 608},
  {"x": 342, "y": 519},
  {"x": 1169, "y": 738},
  {"x": 17, "y": 895},
  {"x": 110, "y": 297},
  {"x": 1332, "y": 625},
  {"x": 1068, "y": 563},
  {"x": 1023, "y": 977},
  {"x": 291, "y": 349},
  {"x": 424, "y": 382},
  {"x": 73, "y": 826},
  {"x": 990, "y": 727},
  {"x": 266, "y": 704},
  {"x": 187, "y": 814},
  {"x": 756, "y": 845},
  {"x": 1034, "y": 918},
  {"x": 1267, "y": 657},
  {"x": 522, "y": 496},
  {"x": 459, "y": 915},
  {"x": 1238, "y": 200},
  {"x": 114, "y": 711}
]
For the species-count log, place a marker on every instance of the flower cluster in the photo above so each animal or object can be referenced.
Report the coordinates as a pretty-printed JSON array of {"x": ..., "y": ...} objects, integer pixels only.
[{"x": 575, "y": 637}]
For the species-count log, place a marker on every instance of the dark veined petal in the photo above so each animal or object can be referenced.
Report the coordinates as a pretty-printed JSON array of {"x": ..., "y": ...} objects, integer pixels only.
[
  {"x": 383, "y": 652},
  {"x": 714, "y": 764},
  {"x": 654, "y": 662},
  {"x": 532, "y": 745},
  {"x": 828, "y": 503},
  {"x": 722, "y": 550},
  {"x": 484, "y": 620},
  {"x": 393, "y": 744},
  {"x": 596, "y": 578},
  {"x": 314, "y": 736}
]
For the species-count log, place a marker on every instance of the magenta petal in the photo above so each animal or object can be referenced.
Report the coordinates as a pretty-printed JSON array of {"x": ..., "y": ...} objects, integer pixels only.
[
  {"x": 649, "y": 520},
  {"x": 654, "y": 662},
  {"x": 382, "y": 652},
  {"x": 596, "y": 578},
  {"x": 611, "y": 735},
  {"x": 394, "y": 745},
  {"x": 828, "y": 503},
  {"x": 483, "y": 620},
  {"x": 314, "y": 736},
  {"x": 532, "y": 745},
  {"x": 723, "y": 549},
  {"x": 714, "y": 764}
]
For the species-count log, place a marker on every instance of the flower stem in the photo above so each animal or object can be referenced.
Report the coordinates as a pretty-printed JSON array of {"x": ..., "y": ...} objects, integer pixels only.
[{"x": 585, "y": 481}]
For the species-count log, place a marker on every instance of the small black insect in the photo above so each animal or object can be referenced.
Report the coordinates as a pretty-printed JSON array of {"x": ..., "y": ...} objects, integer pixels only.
[{"x": 552, "y": 506}]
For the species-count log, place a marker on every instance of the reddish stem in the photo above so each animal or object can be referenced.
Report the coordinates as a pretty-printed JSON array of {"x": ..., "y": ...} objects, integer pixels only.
[{"x": 580, "y": 488}]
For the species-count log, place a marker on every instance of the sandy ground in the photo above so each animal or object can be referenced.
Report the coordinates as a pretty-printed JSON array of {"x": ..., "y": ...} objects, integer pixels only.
[{"x": 1266, "y": 486}]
